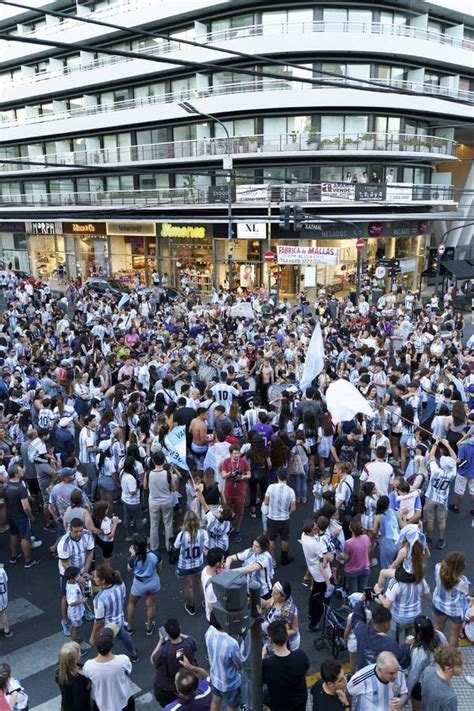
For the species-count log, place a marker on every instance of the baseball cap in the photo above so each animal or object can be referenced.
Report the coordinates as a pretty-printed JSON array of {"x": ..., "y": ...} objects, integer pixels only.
[{"x": 66, "y": 472}]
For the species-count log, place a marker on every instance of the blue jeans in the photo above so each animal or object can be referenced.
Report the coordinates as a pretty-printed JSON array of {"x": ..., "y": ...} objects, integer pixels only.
[
  {"x": 299, "y": 484},
  {"x": 126, "y": 640},
  {"x": 132, "y": 511},
  {"x": 357, "y": 582}
]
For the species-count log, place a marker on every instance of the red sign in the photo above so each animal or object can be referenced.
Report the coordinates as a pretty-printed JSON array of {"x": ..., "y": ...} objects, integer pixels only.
[
  {"x": 269, "y": 257},
  {"x": 360, "y": 244},
  {"x": 375, "y": 229}
]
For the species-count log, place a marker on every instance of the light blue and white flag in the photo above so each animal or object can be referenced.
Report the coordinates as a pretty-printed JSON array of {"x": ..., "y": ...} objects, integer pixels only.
[
  {"x": 314, "y": 362},
  {"x": 175, "y": 443}
]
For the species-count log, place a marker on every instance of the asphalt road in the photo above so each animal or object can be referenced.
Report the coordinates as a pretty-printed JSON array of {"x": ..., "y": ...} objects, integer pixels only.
[{"x": 34, "y": 608}]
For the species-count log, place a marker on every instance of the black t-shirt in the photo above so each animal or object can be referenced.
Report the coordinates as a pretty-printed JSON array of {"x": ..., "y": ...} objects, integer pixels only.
[
  {"x": 345, "y": 448},
  {"x": 323, "y": 701},
  {"x": 286, "y": 680},
  {"x": 14, "y": 492}
]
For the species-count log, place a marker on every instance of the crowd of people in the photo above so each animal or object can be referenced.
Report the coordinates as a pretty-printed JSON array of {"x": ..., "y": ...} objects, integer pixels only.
[{"x": 93, "y": 394}]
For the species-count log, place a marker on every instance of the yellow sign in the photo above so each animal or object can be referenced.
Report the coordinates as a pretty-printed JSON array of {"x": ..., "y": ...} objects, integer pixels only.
[{"x": 190, "y": 231}]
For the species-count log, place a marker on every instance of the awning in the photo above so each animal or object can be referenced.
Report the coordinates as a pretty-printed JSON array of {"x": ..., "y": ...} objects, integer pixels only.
[{"x": 459, "y": 268}]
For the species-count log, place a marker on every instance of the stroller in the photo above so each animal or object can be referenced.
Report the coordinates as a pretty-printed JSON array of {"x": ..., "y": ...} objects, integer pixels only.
[{"x": 332, "y": 631}]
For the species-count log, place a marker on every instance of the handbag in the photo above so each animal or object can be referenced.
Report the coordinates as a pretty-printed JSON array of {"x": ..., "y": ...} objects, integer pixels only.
[
  {"x": 295, "y": 465},
  {"x": 173, "y": 553}
]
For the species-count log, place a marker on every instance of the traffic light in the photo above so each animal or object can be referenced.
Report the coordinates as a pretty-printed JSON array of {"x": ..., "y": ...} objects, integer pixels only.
[
  {"x": 285, "y": 215},
  {"x": 298, "y": 217},
  {"x": 231, "y": 609},
  {"x": 364, "y": 266},
  {"x": 435, "y": 262}
]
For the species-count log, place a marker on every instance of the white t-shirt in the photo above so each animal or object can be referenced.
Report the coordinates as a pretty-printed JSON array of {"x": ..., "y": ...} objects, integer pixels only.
[
  {"x": 314, "y": 548},
  {"x": 129, "y": 484},
  {"x": 209, "y": 594},
  {"x": 111, "y": 688},
  {"x": 381, "y": 473}
]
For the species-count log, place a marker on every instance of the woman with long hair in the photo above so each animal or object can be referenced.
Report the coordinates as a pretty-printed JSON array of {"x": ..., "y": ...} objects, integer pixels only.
[
  {"x": 109, "y": 604},
  {"x": 409, "y": 423},
  {"x": 451, "y": 594},
  {"x": 104, "y": 528},
  {"x": 282, "y": 607},
  {"x": 237, "y": 420},
  {"x": 357, "y": 558},
  {"x": 146, "y": 581},
  {"x": 386, "y": 530},
  {"x": 192, "y": 543},
  {"x": 260, "y": 462},
  {"x": 404, "y": 599},
  {"x": 325, "y": 437},
  {"x": 409, "y": 565},
  {"x": 256, "y": 563},
  {"x": 426, "y": 640},
  {"x": 130, "y": 496},
  {"x": 106, "y": 469},
  {"x": 456, "y": 423},
  {"x": 75, "y": 694}
]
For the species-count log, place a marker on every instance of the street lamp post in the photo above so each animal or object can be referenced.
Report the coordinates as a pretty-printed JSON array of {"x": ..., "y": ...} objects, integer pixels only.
[{"x": 228, "y": 166}]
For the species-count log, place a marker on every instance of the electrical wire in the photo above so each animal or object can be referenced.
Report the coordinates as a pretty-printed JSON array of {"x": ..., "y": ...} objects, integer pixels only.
[{"x": 368, "y": 84}]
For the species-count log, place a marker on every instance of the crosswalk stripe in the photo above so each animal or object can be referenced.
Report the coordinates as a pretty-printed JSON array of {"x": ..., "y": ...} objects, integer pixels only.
[
  {"x": 36, "y": 657},
  {"x": 55, "y": 704},
  {"x": 21, "y": 610}
]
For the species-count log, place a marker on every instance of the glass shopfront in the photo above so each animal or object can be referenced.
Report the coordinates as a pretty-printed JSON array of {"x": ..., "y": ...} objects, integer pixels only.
[
  {"x": 186, "y": 252},
  {"x": 84, "y": 249},
  {"x": 14, "y": 246},
  {"x": 133, "y": 250}
]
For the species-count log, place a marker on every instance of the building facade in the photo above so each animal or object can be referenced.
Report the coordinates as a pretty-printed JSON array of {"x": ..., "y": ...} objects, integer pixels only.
[{"x": 361, "y": 114}]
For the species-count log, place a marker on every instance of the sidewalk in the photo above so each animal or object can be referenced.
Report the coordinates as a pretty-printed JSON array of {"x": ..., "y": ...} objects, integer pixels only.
[{"x": 464, "y": 691}]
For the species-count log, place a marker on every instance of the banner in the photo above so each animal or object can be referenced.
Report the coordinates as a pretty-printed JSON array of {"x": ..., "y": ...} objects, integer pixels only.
[
  {"x": 295, "y": 254},
  {"x": 399, "y": 192},
  {"x": 175, "y": 443},
  {"x": 314, "y": 362},
  {"x": 337, "y": 192},
  {"x": 344, "y": 401}
]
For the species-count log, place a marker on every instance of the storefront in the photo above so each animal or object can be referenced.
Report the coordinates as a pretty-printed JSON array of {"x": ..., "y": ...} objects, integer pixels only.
[
  {"x": 133, "y": 250},
  {"x": 46, "y": 246},
  {"x": 84, "y": 249},
  {"x": 14, "y": 246},
  {"x": 187, "y": 251}
]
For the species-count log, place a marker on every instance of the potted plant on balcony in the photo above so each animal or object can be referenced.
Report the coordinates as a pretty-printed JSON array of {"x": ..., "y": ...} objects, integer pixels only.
[
  {"x": 414, "y": 142},
  {"x": 425, "y": 146},
  {"x": 440, "y": 143},
  {"x": 329, "y": 144},
  {"x": 350, "y": 143},
  {"x": 312, "y": 138},
  {"x": 367, "y": 142}
]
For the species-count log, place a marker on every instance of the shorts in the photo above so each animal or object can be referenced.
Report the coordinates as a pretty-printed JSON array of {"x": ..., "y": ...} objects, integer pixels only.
[
  {"x": 20, "y": 526},
  {"x": 145, "y": 587},
  {"x": 455, "y": 619},
  {"x": 460, "y": 484},
  {"x": 106, "y": 482},
  {"x": 199, "y": 449},
  {"x": 276, "y": 528},
  {"x": 433, "y": 509},
  {"x": 416, "y": 692},
  {"x": 181, "y": 572},
  {"x": 231, "y": 697}
]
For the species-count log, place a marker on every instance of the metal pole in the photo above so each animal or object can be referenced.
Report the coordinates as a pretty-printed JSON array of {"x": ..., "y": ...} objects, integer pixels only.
[
  {"x": 438, "y": 272},
  {"x": 358, "y": 268},
  {"x": 256, "y": 646},
  {"x": 269, "y": 238},
  {"x": 230, "y": 244}
]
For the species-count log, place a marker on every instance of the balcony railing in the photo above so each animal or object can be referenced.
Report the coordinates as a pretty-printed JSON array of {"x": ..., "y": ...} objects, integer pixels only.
[
  {"x": 295, "y": 142},
  {"x": 328, "y": 193},
  {"x": 226, "y": 89},
  {"x": 273, "y": 29}
]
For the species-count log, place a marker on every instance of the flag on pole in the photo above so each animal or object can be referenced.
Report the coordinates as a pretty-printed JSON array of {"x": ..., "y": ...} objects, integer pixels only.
[
  {"x": 344, "y": 401},
  {"x": 314, "y": 362},
  {"x": 175, "y": 443},
  {"x": 123, "y": 300}
]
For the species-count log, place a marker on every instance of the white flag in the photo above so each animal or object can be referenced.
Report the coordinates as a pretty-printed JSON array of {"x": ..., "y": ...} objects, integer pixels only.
[
  {"x": 344, "y": 401},
  {"x": 314, "y": 362},
  {"x": 175, "y": 443}
]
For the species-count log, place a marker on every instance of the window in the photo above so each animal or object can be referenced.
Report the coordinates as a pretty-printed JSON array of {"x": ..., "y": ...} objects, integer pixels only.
[
  {"x": 392, "y": 18},
  {"x": 45, "y": 109},
  {"x": 123, "y": 94},
  {"x": 331, "y": 126},
  {"x": 356, "y": 124},
  {"x": 153, "y": 135}
]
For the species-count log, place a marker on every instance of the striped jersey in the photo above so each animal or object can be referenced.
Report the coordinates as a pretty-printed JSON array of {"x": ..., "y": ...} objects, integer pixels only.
[
  {"x": 218, "y": 532},
  {"x": 87, "y": 438},
  {"x": 439, "y": 481},
  {"x": 452, "y": 602},
  {"x": 370, "y": 694},
  {"x": 191, "y": 551},
  {"x": 280, "y": 498},
  {"x": 224, "y": 657},
  {"x": 37, "y": 450},
  {"x": 406, "y": 599},
  {"x": 3, "y": 590},
  {"x": 74, "y": 551},
  {"x": 108, "y": 605},
  {"x": 264, "y": 575}
]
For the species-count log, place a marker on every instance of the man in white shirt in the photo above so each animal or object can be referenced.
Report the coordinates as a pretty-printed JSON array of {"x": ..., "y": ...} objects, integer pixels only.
[
  {"x": 318, "y": 560},
  {"x": 281, "y": 502},
  {"x": 380, "y": 472},
  {"x": 214, "y": 560}
]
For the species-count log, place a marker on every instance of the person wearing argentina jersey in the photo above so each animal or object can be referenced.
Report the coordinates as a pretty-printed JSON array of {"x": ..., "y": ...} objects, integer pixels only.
[
  {"x": 257, "y": 564},
  {"x": 281, "y": 502},
  {"x": 405, "y": 600},
  {"x": 380, "y": 686},
  {"x": 192, "y": 542},
  {"x": 218, "y": 521},
  {"x": 225, "y": 663}
]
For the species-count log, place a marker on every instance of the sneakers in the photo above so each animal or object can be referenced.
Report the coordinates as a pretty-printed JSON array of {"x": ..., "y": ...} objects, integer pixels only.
[
  {"x": 89, "y": 615},
  {"x": 134, "y": 658},
  {"x": 454, "y": 508},
  {"x": 66, "y": 628},
  {"x": 150, "y": 631},
  {"x": 329, "y": 591},
  {"x": 441, "y": 544},
  {"x": 15, "y": 559},
  {"x": 128, "y": 629},
  {"x": 30, "y": 563},
  {"x": 37, "y": 544},
  {"x": 253, "y": 514},
  {"x": 374, "y": 562},
  {"x": 190, "y": 609},
  {"x": 7, "y": 634}
]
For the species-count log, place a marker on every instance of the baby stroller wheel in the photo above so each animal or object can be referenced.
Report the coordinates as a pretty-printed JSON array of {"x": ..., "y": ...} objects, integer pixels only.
[{"x": 319, "y": 644}]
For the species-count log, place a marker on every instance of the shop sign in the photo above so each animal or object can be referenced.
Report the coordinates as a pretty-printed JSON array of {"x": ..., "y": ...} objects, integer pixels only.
[
  {"x": 252, "y": 193},
  {"x": 251, "y": 230},
  {"x": 187, "y": 231},
  {"x": 399, "y": 192},
  {"x": 289, "y": 254},
  {"x": 408, "y": 265},
  {"x": 85, "y": 228},
  {"x": 147, "y": 229},
  {"x": 12, "y": 227},
  {"x": 43, "y": 228},
  {"x": 370, "y": 192},
  {"x": 220, "y": 193},
  {"x": 337, "y": 191}
]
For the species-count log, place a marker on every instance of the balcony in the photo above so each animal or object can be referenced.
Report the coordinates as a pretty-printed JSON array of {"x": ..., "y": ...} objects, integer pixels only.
[
  {"x": 325, "y": 194},
  {"x": 241, "y": 147},
  {"x": 163, "y": 47},
  {"x": 234, "y": 89}
]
